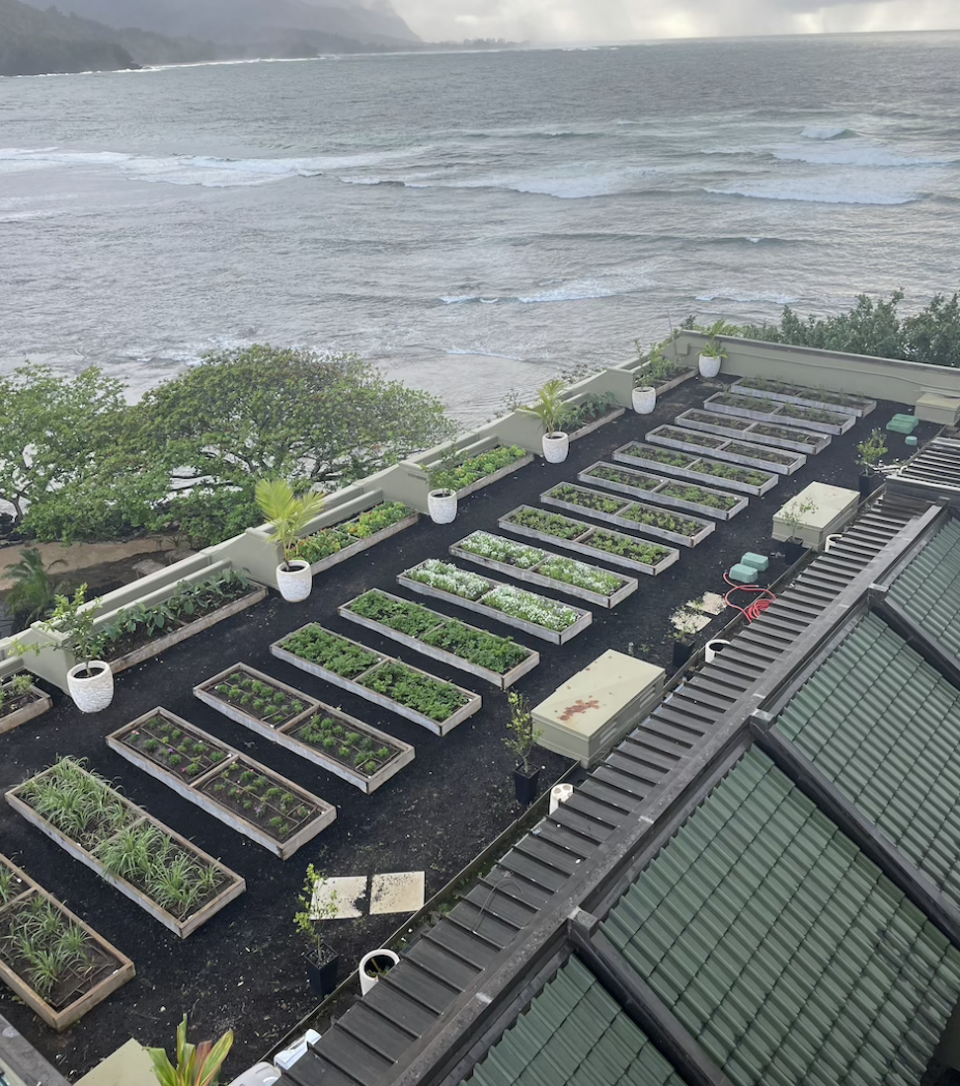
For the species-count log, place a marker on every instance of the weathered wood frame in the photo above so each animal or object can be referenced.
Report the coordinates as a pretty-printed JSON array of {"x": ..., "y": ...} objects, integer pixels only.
[
  {"x": 472, "y": 705},
  {"x": 97, "y": 993},
  {"x": 284, "y": 737},
  {"x": 192, "y": 790},
  {"x": 690, "y": 472},
  {"x": 655, "y": 495},
  {"x": 361, "y": 544},
  {"x": 629, "y": 585},
  {"x": 235, "y": 884},
  {"x": 807, "y": 442},
  {"x": 706, "y": 527},
  {"x": 860, "y": 409},
  {"x": 444, "y": 656},
  {"x": 719, "y": 451},
  {"x": 236, "y": 713},
  {"x": 40, "y": 704},
  {"x": 581, "y": 544},
  {"x": 555, "y": 637},
  {"x": 496, "y": 476},
  {"x": 712, "y": 403}
]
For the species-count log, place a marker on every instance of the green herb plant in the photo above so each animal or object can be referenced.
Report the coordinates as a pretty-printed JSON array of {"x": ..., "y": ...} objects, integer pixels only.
[{"x": 197, "y": 1065}]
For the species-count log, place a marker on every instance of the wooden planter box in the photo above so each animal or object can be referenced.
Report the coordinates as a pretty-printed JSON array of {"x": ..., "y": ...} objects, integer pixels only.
[
  {"x": 707, "y": 527},
  {"x": 531, "y": 576},
  {"x": 697, "y": 471},
  {"x": 656, "y": 494},
  {"x": 233, "y": 886},
  {"x": 858, "y": 407},
  {"x": 502, "y": 682},
  {"x": 581, "y": 544},
  {"x": 361, "y": 544},
  {"x": 553, "y": 636},
  {"x": 39, "y": 703},
  {"x": 751, "y": 456},
  {"x": 182, "y": 633},
  {"x": 772, "y": 411},
  {"x": 496, "y": 476},
  {"x": 192, "y": 790},
  {"x": 803, "y": 441},
  {"x": 589, "y": 427},
  {"x": 473, "y": 704},
  {"x": 673, "y": 382},
  {"x": 91, "y": 991},
  {"x": 284, "y": 737},
  {"x": 206, "y": 692}
]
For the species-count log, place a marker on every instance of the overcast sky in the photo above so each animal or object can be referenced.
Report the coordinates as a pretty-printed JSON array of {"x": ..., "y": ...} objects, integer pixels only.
[{"x": 626, "y": 20}]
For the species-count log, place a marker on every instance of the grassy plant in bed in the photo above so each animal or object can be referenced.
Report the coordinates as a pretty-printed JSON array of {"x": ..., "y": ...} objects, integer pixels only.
[
  {"x": 330, "y": 651},
  {"x": 79, "y": 803},
  {"x": 44, "y": 948}
]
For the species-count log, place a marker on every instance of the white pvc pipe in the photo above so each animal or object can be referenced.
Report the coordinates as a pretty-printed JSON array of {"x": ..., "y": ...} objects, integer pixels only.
[
  {"x": 559, "y": 793},
  {"x": 831, "y": 541},
  {"x": 710, "y": 651},
  {"x": 366, "y": 981}
]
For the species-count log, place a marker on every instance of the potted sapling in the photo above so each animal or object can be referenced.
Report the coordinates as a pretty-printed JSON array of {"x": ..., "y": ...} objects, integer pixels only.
[
  {"x": 89, "y": 681},
  {"x": 441, "y": 499},
  {"x": 869, "y": 453},
  {"x": 289, "y": 514},
  {"x": 520, "y": 742},
  {"x": 684, "y": 628},
  {"x": 322, "y": 961},
  {"x": 374, "y": 965},
  {"x": 713, "y": 353},
  {"x": 653, "y": 373},
  {"x": 553, "y": 413},
  {"x": 197, "y": 1065},
  {"x": 794, "y": 517}
]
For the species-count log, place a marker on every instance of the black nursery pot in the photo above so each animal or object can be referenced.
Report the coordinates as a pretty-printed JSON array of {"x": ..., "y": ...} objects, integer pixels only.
[
  {"x": 868, "y": 483},
  {"x": 322, "y": 974},
  {"x": 682, "y": 651},
  {"x": 793, "y": 550},
  {"x": 524, "y": 786}
]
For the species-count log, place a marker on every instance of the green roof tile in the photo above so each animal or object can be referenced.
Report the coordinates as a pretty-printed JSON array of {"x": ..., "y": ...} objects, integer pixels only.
[
  {"x": 893, "y": 750},
  {"x": 928, "y": 590},
  {"x": 781, "y": 948},
  {"x": 574, "y": 1034}
]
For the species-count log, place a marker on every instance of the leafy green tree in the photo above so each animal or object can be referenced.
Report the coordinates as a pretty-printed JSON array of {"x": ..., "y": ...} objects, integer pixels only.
[{"x": 53, "y": 430}]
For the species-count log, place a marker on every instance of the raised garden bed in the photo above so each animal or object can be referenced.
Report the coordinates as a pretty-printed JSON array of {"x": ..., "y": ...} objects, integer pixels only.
[
  {"x": 680, "y": 530},
  {"x": 537, "y": 566},
  {"x": 594, "y": 411},
  {"x": 759, "y": 433},
  {"x": 162, "y": 872},
  {"x": 250, "y": 697},
  {"x": 245, "y": 795},
  {"x": 336, "y": 544},
  {"x": 841, "y": 402},
  {"x": 20, "y": 701},
  {"x": 726, "y": 448},
  {"x": 575, "y": 535},
  {"x": 476, "y": 472},
  {"x": 426, "y": 700},
  {"x": 697, "y": 469},
  {"x": 356, "y": 752},
  {"x": 139, "y": 632},
  {"x": 676, "y": 376},
  {"x": 764, "y": 409},
  {"x": 498, "y": 660},
  {"x": 555, "y": 622},
  {"x": 58, "y": 965},
  {"x": 688, "y": 497}
]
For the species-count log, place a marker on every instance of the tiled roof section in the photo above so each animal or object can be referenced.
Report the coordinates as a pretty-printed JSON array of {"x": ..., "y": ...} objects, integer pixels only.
[
  {"x": 884, "y": 726},
  {"x": 360, "y": 1048},
  {"x": 574, "y": 1034},
  {"x": 781, "y": 948},
  {"x": 928, "y": 590}
]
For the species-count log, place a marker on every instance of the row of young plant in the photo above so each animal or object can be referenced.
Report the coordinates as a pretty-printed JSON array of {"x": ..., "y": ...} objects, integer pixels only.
[
  {"x": 655, "y": 485},
  {"x": 338, "y": 537},
  {"x": 675, "y": 461},
  {"x": 458, "y": 476},
  {"x": 728, "y": 448},
  {"x": 778, "y": 408},
  {"x": 685, "y": 530}
]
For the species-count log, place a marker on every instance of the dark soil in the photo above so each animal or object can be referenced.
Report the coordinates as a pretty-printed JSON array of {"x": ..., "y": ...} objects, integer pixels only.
[{"x": 244, "y": 969}]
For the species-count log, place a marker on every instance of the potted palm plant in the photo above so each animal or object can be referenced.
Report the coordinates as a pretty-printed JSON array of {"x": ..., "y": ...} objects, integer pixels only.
[
  {"x": 289, "y": 514},
  {"x": 322, "y": 961},
  {"x": 520, "y": 742},
  {"x": 552, "y": 412},
  {"x": 869, "y": 453},
  {"x": 197, "y": 1065},
  {"x": 713, "y": 353}
]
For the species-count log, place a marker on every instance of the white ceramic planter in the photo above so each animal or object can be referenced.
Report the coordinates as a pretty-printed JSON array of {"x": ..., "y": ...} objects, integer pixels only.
[
  {"x": 442, "y": 506},
  {"x": 294, "y": 584},
  {"x": 709, "y": 365},
  {"x": 555, "y": 447},
  {"x": 367, "y": 981},
  {"x": 644, "y": 399},
  {"x": 91, "y": 693}
]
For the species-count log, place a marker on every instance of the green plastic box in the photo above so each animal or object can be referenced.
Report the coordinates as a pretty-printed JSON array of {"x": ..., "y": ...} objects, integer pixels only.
[{"x": 759, "y": 562}]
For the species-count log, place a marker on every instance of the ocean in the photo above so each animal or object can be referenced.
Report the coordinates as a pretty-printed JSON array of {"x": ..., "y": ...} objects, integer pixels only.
[{"x": 472, "y": 222}]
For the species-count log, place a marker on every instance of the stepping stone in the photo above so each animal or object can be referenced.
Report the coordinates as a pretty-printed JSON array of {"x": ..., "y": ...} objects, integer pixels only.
[
  {"x": 758, "y": 562},
  {"x": 743, "y": 574},
  {"x": 348, "y": 892},
  {"x": 903, "y": 424},
  {"x": 401, "y": 892}
]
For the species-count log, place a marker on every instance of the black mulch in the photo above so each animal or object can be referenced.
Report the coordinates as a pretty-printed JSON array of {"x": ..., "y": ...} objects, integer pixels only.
[{"x": 244, "y": 968}]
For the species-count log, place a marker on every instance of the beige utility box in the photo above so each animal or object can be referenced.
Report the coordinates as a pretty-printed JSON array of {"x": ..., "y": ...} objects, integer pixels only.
[
  {"x": 592, "y": 711},
  {"x": 938, "y": 407},
  {"x": 832, "y": 507}
]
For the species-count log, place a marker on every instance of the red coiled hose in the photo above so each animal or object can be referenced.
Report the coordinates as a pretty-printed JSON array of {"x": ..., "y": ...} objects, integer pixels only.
[{"x": 754, "y": 610}]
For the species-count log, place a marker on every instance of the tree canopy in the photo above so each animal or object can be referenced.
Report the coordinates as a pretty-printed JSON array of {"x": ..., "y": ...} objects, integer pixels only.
[{"x": 77, "y": 462}]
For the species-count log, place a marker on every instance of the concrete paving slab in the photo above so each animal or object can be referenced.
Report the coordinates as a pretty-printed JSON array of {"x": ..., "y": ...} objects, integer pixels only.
[
  {"x": 400, "y": 892},
  {"x": 348, "y": 890},
  {"x": 128, "y": 1066}
]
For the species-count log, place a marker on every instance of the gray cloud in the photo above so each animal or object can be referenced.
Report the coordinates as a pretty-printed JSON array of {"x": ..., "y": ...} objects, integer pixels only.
[{"x": 626, "y": 20}]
